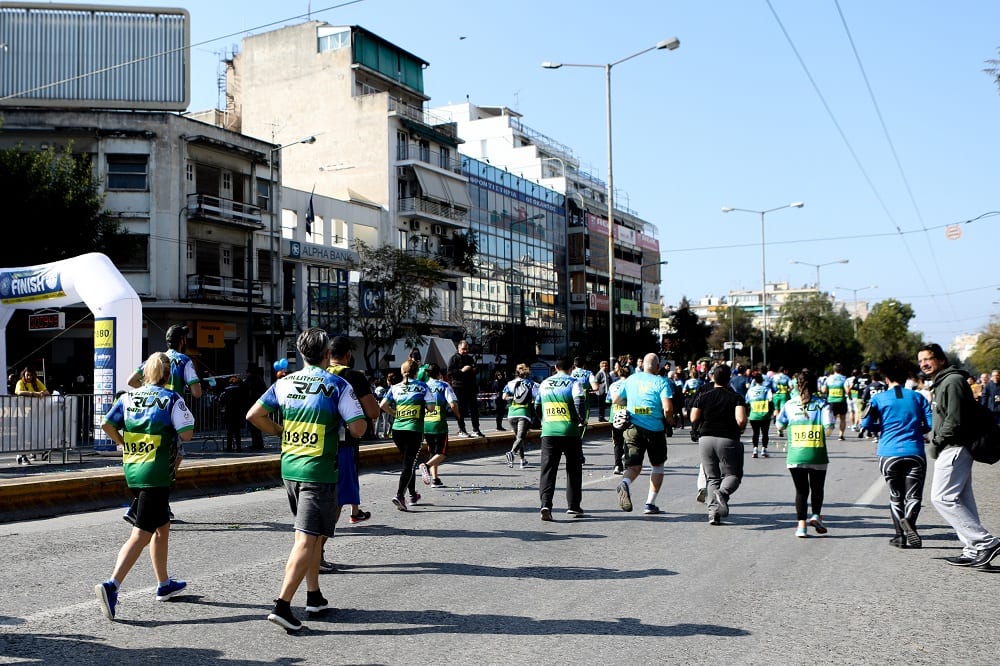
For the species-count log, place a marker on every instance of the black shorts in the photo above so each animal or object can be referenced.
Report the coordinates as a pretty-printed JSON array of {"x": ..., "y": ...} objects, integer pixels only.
[
  {"x": 437, "y": 444},
  {"x": 838, "y": 408},
  {"x": 152, "y": 509}
]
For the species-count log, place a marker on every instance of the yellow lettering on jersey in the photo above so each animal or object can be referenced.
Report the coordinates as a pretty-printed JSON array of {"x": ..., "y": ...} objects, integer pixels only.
[
  {"x": 139, "y": 447},
  {"x": 808, "y": 436},
  {"x": 303, "y": 439}
]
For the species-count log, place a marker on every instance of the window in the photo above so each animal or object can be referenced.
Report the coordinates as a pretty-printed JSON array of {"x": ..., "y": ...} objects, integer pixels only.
[
  {"x": 135, "y": 254},
  {"x": 445, "y": 158},
  {"x": 127, "y": 172},
  {"x": 265, "y": 272},
  {"x": 425, "y": 150},
  {"x": 331, "y": 41},
  {"x": 264, "y": 194},
  {"x": 402, "y": 147},
  {"x": 189, "y": 172},
  {"x": 227, "y": 257}
]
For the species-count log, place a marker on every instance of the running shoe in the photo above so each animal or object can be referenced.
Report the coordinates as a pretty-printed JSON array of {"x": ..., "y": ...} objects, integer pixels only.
[
  {"x": 801, "y": 532},
  {"x": 327, "y": 567},
  {"x": 713, "y": 518},
  {"x": 840, "y": 439},
  {"x": 960, "y": 561},
  {"x": 723, "y": 502},
  {"x": 129, "y": 516},
  {"x": 898, "y": 541},
  {"x": 910, "y": 534},
  {"x": 438, "y": 483},
  {"x": 107, "y": 596},
  {"x": 651, "y": 509},
  {"x": 986, "y": 556},
  {"x": 545, "y": 514},
  {"x": 576, "y": 513},
  {"x": 315, "y": 602},
  {"x": 817, "y": 524},
  {"x": 702, "y": 494},
  {"x": 479, "y": 433},
  {"x": 763, "y": 453},
  {"x": 617, "y": 471},
  {"x": 510, "y": 458},
  {"x": 501, "y": 429},
  {"x": 425, "y": 474},
  {"x": 170, "y": 589},
  {"x": 414, "y": 498},
  {"x": 624, "y": 497},
  {"x": 399, "y": 502},
  {"x": 464, "y": 434},
  {"x": 754, "y": 452},
  {"x": 524, "y": 464},
  {"x": 360, "y": 517},
  {"x": 282, "y": 616}
]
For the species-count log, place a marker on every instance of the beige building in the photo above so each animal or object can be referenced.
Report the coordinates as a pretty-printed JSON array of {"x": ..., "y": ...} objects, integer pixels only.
[{"x": 362, "y": 98}]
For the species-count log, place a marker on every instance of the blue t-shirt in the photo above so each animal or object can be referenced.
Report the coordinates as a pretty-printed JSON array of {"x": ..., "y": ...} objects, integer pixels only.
[
  {"x": 644, "y": 393},
  {"x": 902, "y": 416}
]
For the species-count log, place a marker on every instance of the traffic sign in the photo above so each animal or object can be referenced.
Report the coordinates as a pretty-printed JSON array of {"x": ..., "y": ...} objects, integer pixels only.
[
  {"x": 953, "y": 232},
  {"x": 732, "y": 345}
]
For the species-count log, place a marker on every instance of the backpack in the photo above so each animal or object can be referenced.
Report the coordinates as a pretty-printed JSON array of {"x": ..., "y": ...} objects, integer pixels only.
[
  {"x": 984, "y": 441},
  {"x": 522, "y": 392}
]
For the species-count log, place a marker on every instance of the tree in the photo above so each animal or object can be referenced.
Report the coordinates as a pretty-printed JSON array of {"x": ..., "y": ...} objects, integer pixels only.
[
  {"x": 688, "y": 339},
  {"x": 56, "y": 194},
  {"x": 810, "y": 333},
  {"x": 738, "y": 323},
  {"x": 986, "y": 354},
  {"x": 405, "y": 302},
  {"x": 885, "y": 333}
]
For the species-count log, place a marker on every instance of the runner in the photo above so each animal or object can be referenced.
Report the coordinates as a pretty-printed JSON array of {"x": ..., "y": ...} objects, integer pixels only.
[
  {"x": 836, "y": 396},
  {"x": 807, "y": 458},
  {"x": 521, "y": 393},
  {"x": 617, "y": 431},
  {"x": 557, "y": 399},
  {"x": 782, "y": 390},
  {"x": 759, "y": 398},
  {"x": 588, "y": 382},
  {"x": 872, "y": 389},
  {"x": 406, "y": 402},
  {"x": 722, "y": 416},
  {"x": 436, "y": 425}
]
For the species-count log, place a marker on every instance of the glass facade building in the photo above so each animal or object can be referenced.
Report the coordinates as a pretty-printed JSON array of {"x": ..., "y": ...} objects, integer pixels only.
[{"x": 519, "y": 289}]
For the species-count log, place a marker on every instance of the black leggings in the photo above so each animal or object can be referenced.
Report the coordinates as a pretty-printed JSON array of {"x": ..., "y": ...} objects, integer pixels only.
[
  {"x": 760, "y": 428},
  {"x": 408, "y": 442},
  {"x": 808, "y": 481},
  {"x": 905, "y": 477}
]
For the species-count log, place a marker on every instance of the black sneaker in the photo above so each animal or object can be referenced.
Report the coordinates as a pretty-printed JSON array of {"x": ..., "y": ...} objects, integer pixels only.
[
  {"x": 624, "y": 498},
  {"x": 898, "y": 541},
  {"x": 713, "y": 518},
  {"x": 545, "y": 514},
  {"x": 986, "y": 555},
  {"x": 910, "y": 534},
  {"x": 327, "y": 567},
  {"x": 282, "y": 616},
  {"x": 479, "y": 433},
  {"x": 723, "y": 502},
  {"x": 438, "y": 483},
  {"x": 960, "y": 561},
  {"x": 651, "y": 509},
  {"x": 399, "y": 502},
  {"x": 315, "y": 603}
]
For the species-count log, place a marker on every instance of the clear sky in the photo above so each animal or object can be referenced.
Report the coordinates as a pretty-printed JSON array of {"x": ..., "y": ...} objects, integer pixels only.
[{"x": 888, "y": 130}]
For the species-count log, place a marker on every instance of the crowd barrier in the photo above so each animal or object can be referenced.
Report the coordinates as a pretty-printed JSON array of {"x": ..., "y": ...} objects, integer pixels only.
[{"x": 42, "y": 425}]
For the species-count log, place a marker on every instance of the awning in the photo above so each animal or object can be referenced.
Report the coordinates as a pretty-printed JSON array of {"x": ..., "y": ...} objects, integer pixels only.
[
  {"x": 433, "y": 184},
  {"x": 459, "y": 193},
  {"x": 440, "y": 351}
]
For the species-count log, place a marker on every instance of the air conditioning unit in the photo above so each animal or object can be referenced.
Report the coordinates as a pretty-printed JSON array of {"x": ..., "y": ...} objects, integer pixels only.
[
  {"x": 414, "y": 225},
  {"x": 437, "y": 229}
]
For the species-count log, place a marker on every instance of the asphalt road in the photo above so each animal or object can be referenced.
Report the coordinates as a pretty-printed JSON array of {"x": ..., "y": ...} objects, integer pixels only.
[{"x": 472, "y": 576}]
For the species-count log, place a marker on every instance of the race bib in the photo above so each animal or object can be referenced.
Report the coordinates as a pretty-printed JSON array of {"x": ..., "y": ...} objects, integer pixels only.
[
  {"x": 408, "y": 412},
  {"x": 303, "y": 439},
  {"x": 139, "y": 447},
  {"x": 758, "y": 406},
  {"x": 782, "y": 389},
  {"x": 808, "y": 436},
  {"x": 836, "y": 393},
  {"x": 554, "y": 411},
  {"x": 642, "y": 411},
  {"x": 433, "y": 417}
]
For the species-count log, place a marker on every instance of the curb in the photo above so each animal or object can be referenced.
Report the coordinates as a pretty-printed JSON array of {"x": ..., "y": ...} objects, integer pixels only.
[{"x": 30, "y": 498}]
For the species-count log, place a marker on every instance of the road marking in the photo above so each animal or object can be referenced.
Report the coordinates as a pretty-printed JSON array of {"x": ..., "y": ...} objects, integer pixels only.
[{"x": 874, "y": 492}]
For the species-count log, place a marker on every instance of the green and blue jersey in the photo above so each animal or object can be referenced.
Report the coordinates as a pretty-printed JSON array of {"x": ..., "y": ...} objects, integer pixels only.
[{"x": 556, "y": 403}]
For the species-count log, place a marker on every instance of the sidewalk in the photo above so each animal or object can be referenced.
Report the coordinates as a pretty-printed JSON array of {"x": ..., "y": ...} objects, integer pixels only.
[{"x": 44, "y": 489}]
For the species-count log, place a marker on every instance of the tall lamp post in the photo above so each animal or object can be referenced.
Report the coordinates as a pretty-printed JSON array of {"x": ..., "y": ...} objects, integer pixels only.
[
  {"x": 855, "y": 317},
  {"x": 669, "y": 44},
  {"x": 275, "y": 202},
  {"x": 763, "y": 271},
  {"x": 819, "y": 266}
]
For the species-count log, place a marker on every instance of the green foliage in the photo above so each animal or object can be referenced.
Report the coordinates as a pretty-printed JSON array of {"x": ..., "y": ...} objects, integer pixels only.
[
  {"x": 885, "y": 333},
  {"x": 56, "y": 196},
  {"x": 811, "y": 334},
  {"x": 688, "y": 338},
  {"x": 742, "y": 329},
  {"x": 407, "y": 305},
  {"x": 986, "y": 354}
]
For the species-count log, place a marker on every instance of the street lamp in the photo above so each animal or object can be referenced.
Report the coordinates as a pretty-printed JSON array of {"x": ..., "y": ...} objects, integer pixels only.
[
  {"x": 763, "y": 278},
  {"x": 275, "y": 202},
  {"x": 669, "y": 44},
  {"x": 855, "y": 317},
  {"x": 819, "y": 266}
]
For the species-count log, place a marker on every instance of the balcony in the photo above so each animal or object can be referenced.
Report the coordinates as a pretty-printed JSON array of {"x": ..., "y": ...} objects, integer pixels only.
[
  {"x": 224, "y": 211},
  {"x": 432, "y": 210},
  {"x": 408, "y": 153},
  {"x": 223, "y": 290}
]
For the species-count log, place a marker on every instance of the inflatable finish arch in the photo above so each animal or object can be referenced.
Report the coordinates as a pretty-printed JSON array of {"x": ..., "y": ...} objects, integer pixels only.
[{"x": 93, "y": 280}]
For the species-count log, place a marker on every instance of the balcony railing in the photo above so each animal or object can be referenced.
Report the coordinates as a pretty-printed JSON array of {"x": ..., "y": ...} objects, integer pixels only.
[
  {"x": 429, "y": 207},
  {"x": 218, "y": 289},
  {"x": 224, "y": 210},
  {"x": 418, "y": 114},
  {"x": 414, "y": 151}
]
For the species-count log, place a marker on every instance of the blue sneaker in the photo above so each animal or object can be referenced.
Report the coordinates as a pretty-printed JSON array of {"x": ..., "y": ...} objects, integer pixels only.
[
  {"x": 107, "y": 596},
  {"x": 170, "y": 589}
]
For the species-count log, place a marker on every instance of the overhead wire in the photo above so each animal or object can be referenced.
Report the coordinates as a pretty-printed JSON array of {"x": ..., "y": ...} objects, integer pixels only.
[
  {"x": 895, "y": 154},
  {"x": 850, "y": 147}
]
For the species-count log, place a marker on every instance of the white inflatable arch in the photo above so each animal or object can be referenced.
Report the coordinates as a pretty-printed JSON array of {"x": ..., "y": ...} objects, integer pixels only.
[{"x": 93, "y": 280}]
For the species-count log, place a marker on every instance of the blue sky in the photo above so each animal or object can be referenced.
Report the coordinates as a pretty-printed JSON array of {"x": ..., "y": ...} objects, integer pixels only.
[{"x": 731, "y": 118}]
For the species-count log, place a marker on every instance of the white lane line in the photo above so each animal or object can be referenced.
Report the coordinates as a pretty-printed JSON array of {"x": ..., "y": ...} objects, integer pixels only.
[{"x": 874, "y": 492}]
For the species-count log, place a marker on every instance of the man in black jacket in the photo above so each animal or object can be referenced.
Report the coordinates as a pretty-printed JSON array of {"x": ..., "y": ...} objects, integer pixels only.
[
  {"x": 990, "y": 396},
  {"x": 951, "y": 486},
  {"x": 462, "y": 370}
]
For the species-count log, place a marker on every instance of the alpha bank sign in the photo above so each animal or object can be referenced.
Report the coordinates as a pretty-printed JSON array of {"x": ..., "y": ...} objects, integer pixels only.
[{"x": 320, "y": 254}]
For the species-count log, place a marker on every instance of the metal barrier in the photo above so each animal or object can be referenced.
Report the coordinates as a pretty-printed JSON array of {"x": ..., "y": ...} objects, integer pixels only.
[{"x": 55, "y": 423}]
